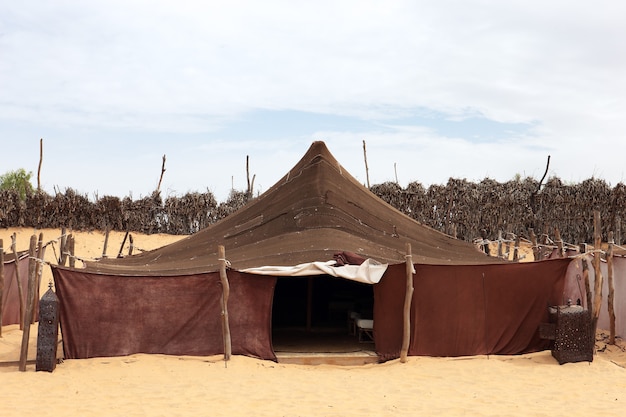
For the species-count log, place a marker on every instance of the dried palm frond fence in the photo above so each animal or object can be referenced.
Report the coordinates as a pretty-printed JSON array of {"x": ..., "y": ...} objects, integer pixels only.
[
  {"x": 466, "y": 210},
  {"x": 174, "y": 215}
]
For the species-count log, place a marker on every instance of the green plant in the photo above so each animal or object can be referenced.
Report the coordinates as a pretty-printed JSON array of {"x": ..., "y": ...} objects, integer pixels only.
[{"x": 18, "y": 180}]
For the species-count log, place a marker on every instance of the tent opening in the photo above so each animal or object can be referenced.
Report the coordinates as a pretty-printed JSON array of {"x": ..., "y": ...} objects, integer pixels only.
[{"x": 311, "y": 314}]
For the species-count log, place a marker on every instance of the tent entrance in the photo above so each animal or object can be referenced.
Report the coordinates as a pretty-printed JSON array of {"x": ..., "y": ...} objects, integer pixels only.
[{"x": 311, "y": 314}]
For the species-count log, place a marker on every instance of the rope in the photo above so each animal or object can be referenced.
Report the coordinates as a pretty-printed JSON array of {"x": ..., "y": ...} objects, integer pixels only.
[{"x": 226, "y": 261}]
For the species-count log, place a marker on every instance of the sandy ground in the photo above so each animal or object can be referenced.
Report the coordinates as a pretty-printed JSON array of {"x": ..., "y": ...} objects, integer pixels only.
[{"x": 158, "y": 385}]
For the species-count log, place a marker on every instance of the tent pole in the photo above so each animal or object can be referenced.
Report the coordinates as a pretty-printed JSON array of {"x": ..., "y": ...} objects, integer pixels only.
[
  {"x": 17, "y": 279},
  {"x": 406, "y": 337},
  {"x": 611, "y": 296},
  {"x": 597, "y": 281},
  {"x": 224, "y": 301},
  {"x": 30, "y": 301}
]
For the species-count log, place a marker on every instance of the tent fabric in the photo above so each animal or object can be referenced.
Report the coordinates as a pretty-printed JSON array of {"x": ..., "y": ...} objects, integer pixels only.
[
  {"x": 468, "y": 310},
  {"x": 104, "y": 316},
  {"x": 316, "y": 210},
  {"x": 575, "y": 288},
  {"x": 10, "y": 294},
  {"x": 368, "y": 272}
]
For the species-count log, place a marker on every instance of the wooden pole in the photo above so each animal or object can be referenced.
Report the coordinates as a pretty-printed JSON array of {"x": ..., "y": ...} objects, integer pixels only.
[
  {"x": 41, "y": 249},
  {"x": 611, "y": 296},
  {"x": 589, "y": 295},
  {"x": 71, "y": 244},
  {"x": 106, "y": 242},
  {"x": 408, "y": 297},
  {"x": 20, "y": 292},
  {"x": 500, "y": 244},
  {"x": 30, "y": 301},
  {"x": 1, "y": 282},
  {"x": 62, "y": 255},
  {"x": 516, "y": 249},
  {"x": 559, "y": 242},
  {"x": 597, "y": 287},
  {"x": 221, "y": 252},
  {"x": 533, "y": 240},
  {"x": 131, "y": 246},
  {"x": 162, "y": 173},
  {"x": 119, "y": 254},
  {"x": 618, "y": 230},
  {"x": 367, "y": 170},
  {"x": 40, "y": 162}
]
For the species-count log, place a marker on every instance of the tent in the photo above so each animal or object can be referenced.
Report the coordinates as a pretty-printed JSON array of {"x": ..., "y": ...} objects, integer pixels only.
[
  {"x": 318, "y": 215},
  {"x": 10, "y": 293}
]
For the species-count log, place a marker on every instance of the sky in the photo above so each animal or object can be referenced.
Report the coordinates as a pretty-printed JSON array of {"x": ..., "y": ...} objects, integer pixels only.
[{"x": 465, "y": 89}]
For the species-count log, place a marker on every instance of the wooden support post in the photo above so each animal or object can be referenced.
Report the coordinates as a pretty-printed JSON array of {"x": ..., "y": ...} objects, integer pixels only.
[
  {"x": 559, "y": 242},
  {"x": 408, "y": 297},
  {"x": 20, "y": 292},
  {"x": 221, "y": 252},
  {"x": 500, "y": 244},
  {"x": 131, "y": 246},
  {"x": 516, "y": 250},
  {"x": 1, "y": 282},
  {"x": 533, "y": 240},
  {"x": 71, "y": 246},
  {"x": 30, "y": 301},
  {"x": 597, "y": 287},
  {"x": 618, "y": 230},
  {"x": 106, "y": 242},
  {"x": 611, "y": 296},
  {"x": 41, "y": 249},
  {"x": 119, "y": 254},
  {"x": 63, "y": 248},
  {"x": 589, "y": 295}
]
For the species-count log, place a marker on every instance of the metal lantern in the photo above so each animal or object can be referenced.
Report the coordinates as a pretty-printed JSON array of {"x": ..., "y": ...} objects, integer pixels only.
[{"x": 47, "y": 337}]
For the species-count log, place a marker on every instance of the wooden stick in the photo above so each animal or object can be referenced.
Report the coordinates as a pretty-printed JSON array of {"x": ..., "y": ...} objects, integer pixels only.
[
  {"x": 221, "y": 252},
  {"x": 161, "y": 177},
  {"x": 559, "y": 242},
  {"x": 62, "y": 255},
  {"x": 408, "y": 297},
  {"x": 40, "y": 162},
  {"x": 588, "y": 293},
  {"x": 1, "y": 282},
  {"x": 30, "y": 301},
  {"x": 367, "y": 170},
  {"x": 41, "y": 249},
  {"x": 533, "y": 239},
  {"x": 106, "y": 242},
  {"x": 500, "y": 244},
  {"x": 516, "y": 250},
  {"x": 71, "y": 243},
  {"x": 611, "y": 296},
  {"x": 119, "y": 254},
  {"x": 597, "y": 287},
  {"x": 131, "y": 246},
  {"x": 20, "y": 292}
]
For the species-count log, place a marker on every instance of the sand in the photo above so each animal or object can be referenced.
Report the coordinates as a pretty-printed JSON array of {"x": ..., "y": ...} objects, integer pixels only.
[{"x": 158, "y": 385}]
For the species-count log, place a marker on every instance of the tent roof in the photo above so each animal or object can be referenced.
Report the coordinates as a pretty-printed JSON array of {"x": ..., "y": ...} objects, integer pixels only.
[{"x": 316, "y": 210}]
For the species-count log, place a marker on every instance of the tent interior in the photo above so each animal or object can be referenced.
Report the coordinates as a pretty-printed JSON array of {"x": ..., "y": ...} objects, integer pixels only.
[{"x": 312, "y": 314}]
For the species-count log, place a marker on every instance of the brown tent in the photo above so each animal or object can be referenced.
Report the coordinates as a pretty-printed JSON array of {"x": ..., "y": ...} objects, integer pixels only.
[
  {"x": 167, "y": 300},
  {"x": 10, "y": 294}
]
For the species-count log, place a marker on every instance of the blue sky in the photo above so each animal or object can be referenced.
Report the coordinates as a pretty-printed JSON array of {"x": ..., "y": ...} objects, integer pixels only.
[{"x": 464, "y": 89}]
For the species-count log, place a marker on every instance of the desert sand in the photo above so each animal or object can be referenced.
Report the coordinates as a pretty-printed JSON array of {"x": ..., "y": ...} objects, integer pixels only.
[{"x": 158, "y": 385}]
